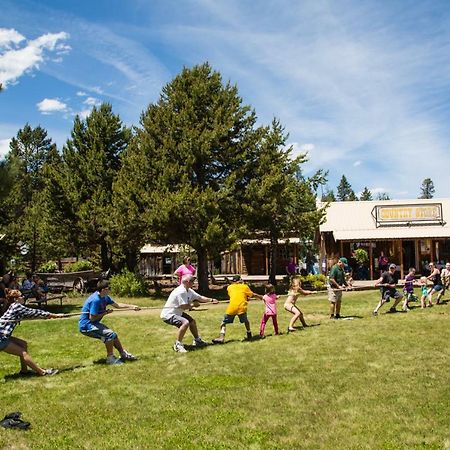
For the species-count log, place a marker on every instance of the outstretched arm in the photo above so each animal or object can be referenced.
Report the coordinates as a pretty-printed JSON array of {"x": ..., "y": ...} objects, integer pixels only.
[{"x": 125, "y": 306}]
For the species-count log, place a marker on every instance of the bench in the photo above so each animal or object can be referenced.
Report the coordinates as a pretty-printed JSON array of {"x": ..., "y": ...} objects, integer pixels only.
[{"x": 47, "y": 299}]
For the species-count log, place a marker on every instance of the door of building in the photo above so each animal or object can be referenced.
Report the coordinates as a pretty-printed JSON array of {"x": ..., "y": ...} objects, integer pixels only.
[{"x": 409, "y": 255}]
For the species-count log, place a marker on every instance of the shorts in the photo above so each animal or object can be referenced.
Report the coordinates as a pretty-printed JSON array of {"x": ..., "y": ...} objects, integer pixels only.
[
  {"x": 334, "y": 295},
  {"x": 177, "y": 321},
  {"x": 4, "y": 342},
  {"x": 101, "y": 332},
  {"x": 230, "y": 318},
  {"x": 437, "y": 287},
  {"x": 393, "y": 293}
]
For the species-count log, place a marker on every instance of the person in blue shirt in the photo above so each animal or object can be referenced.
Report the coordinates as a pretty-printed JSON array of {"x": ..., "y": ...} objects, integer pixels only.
[{"x": 93, "y": 311}]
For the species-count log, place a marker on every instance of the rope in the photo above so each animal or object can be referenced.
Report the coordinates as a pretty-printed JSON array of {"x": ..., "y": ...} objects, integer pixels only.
[{"x": 87, "y": 312}]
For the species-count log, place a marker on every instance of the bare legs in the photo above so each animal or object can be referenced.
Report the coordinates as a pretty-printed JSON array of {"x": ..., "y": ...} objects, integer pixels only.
[{"x": 19, "y": 347}]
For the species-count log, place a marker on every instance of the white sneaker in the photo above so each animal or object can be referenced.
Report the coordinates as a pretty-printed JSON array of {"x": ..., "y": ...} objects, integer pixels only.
[
  {"x": 126, "y": 356},
  {"x": 179, "y": 347},
  {"x": 113, "y": 361},
  {"x": 199, "y": 342}
]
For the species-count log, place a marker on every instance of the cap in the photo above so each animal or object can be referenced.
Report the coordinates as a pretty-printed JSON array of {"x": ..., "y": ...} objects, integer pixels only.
[
  {"x": 392, "y": 266},
  {"x": 343, "y": 260},
  {"x": 236, "y": 278}
]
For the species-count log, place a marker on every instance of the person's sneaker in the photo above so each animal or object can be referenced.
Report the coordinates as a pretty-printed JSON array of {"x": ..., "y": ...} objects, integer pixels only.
[
  {"x": 127, "y": 356},
  {"x": 374, "y": 313},
  {"x": 199, "y": 342},
  {"x": 113, "y": 361},
  {"x": 219, "y": 340},
  {"x": 392, "y": 310},
  {"x": 337, "y": 316},
  {"x": 179, "y": 347},
  {"x": 332, "y": 316},
  {"x": 50, "y": 372}
]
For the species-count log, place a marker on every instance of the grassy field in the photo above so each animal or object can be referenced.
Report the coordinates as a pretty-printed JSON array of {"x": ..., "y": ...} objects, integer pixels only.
[{"x": 367, "y": 383}]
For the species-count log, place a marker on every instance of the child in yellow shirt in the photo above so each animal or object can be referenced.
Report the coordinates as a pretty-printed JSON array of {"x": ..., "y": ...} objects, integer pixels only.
[{"x": 239, "y": 294}]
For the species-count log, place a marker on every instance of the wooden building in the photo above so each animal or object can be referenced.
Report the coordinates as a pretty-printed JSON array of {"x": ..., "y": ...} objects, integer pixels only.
[
  {"x": 411, "y": 233},
  {"x": 157, "y": 260},
  {"x": 251, "y": 257}
]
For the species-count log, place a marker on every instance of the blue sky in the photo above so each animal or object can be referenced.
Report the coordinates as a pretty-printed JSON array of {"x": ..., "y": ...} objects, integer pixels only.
[{"x": 362, "y": 86}]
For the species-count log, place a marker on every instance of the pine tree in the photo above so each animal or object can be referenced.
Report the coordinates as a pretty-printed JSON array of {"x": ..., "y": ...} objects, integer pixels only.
[
  {"x": 366, "y": 194},
  {"x": 26, "y": 215},
  {"x": 194, "y": 143},
  {"x": 278, "y": 201},
  {"x": 91, "y": 163},
  {"x": 345, "y": 191},
  {"x": 427, "y": 188}
]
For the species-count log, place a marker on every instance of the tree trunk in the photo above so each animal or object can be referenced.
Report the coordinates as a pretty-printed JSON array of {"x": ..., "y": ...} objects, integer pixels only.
[
  {"x": 131, "y": 260},
  {"x": 104, "y": 255},
  {"x": 202, "y": 270},
  {"x": 273, "y": 259}
]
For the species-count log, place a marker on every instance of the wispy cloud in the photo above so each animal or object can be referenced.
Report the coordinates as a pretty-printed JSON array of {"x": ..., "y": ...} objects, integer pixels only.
[{"x": 19, "y": 56}]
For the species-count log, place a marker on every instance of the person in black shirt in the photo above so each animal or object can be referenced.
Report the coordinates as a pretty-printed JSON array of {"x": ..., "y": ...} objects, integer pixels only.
[{"x": 387, "y": 284}]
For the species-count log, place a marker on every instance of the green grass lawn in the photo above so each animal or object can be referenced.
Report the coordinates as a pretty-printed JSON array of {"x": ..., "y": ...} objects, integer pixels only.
[{"x": 368, "y": 383}]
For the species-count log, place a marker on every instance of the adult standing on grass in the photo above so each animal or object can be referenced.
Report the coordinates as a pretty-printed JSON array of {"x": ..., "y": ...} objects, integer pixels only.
[
  {"x": 12, "y": 313},
  {"x": 387, "y": 284},
  {"x": 93, "y": 311},
  {"x": 445, "y": 279},
  {"x": 239, "y": 294},
  {"x": 435, "y": 278},
  {"x": 336, "y": 284},
  {"x": 185, "y": 269},
  {"x": 181, "y": 299}
]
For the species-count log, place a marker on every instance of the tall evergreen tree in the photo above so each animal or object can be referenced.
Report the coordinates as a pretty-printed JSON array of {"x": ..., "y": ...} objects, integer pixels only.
[
  {"x": 91, "y": 163},
  {"x": 344, "y": 191},
  {"x": 194, "y": 144},
  {"x": 30, "y": 151},
  {"x": 366, "y": 194},
  {"x": 427, "y": 188},
  {"x": 279, "y": 202}
]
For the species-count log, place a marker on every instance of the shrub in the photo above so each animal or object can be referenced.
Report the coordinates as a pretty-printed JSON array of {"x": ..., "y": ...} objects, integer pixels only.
[
  {"x": 128, "y": 284},
  {"x": 315, "y": 282},
  {"x": 361, "y": 256},
  {"x": 79, "y": 266},
  {"x": 49, "y": 267}
]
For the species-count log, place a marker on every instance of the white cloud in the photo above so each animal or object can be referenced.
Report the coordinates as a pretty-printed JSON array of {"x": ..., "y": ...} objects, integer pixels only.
[
  {"x": 84, "y": 113},
  {"x": 4, "y": 147},
  {"x": 357, "y": 163},
  {"x": 17, "y": 60},
  {"x": 81, "y": 94},
  {"x": 92, "y": 101},
  {"x": 8, "y": 37},
  {"x": 51, "y": 105}
]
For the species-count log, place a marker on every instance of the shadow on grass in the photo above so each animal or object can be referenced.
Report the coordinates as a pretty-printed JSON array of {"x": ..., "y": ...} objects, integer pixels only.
[{"x": 31, "y": 374}]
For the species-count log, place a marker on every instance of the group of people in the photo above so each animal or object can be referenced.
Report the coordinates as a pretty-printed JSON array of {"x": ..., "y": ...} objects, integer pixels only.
[
  {"x": 184, "y": 298},
  {"x": 436, "y": 282},
  {"x": 32, "y": 286}
]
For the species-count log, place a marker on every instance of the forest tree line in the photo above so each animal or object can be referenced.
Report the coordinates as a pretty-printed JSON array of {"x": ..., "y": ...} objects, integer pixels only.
[{"x": 196, "y": 170}]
